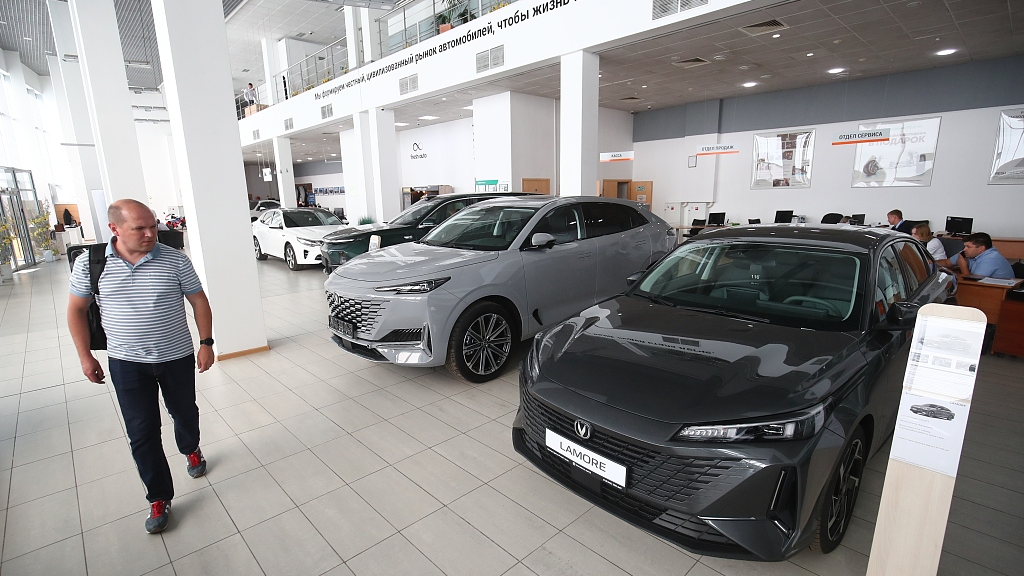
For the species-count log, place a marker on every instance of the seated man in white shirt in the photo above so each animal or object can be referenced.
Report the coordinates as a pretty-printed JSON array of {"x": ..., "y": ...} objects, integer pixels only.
[{"x": 924, "y": 235}]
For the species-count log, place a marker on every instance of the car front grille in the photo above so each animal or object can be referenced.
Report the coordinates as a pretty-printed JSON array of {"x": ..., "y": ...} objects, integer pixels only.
[
  {"x": 656, "y": 482},
  {"x": 364, "y": 314},
  {"x": 404, "y": 335}
]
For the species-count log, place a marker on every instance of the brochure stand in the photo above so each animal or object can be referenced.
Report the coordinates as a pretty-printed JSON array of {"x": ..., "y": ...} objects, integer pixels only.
[{"x": 930, "y": 426}]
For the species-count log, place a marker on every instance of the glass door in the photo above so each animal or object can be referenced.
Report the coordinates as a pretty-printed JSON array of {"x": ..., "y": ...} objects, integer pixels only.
[{"x": 19, "y": 253}]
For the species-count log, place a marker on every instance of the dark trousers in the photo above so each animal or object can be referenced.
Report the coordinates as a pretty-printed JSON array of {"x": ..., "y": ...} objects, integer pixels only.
[{"x": 138, "y": 386}]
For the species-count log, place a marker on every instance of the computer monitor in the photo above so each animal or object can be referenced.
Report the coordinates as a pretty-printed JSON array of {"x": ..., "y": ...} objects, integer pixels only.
[
  {"x": 958, "y": 225},
  {"x": 716, "y": 219},
  {"x": 783, "y": 216},
  {"x": 858, "y": 219},
  {"x": 753, "y": 221}
]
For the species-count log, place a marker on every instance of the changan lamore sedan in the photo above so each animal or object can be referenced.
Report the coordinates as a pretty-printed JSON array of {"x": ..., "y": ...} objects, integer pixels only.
[
  {"x": 729, "y": 399},
  {"x": 487, "y": 277}
]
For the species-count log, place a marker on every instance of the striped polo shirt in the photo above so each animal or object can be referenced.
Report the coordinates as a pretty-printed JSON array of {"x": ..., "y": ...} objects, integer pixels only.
[{"x": 142, "y": 307}]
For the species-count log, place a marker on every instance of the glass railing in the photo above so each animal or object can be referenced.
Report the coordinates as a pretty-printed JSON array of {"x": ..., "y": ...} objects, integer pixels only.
[
  {"x": 416, "y": 21},
  {"x": 320, "y": 68}
]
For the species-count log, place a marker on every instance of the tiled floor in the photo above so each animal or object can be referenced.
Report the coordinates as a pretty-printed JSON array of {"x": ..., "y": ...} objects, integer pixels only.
[{"x": 320, "y": 463}]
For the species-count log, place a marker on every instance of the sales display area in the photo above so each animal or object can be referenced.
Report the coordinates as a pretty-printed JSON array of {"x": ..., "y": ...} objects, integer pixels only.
[{"x": 532, "y": 288}]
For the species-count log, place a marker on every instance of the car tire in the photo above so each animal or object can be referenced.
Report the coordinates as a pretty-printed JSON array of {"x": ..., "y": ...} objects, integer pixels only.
[
  {"x": 489, "y": 330},
  {"x": 290, "y": 259},
  {"x": 840, "y": 496},
  {"x": 256, "y": 248}
]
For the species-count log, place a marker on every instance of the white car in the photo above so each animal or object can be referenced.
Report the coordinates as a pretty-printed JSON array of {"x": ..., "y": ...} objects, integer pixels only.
[
  {"x": 294, "y": 234},
  {"x": 258, "y": 207},
  {"x": 488, "y": 277}
]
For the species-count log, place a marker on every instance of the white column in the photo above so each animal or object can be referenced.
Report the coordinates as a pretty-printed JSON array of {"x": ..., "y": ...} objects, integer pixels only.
[
  {"x": 192, "y": 40},
  {"x": 578, "y": 125},
  {"x": 285, "y": 174},
  {"x": 387, "y": 188},
  {"x": 271, "y": 67},
  {"x": 352, "y": 33},
  {"x": 78, "y": 129},
  {"x": 106, "y": 94},
  {"x": 360, "y": 200},
  {"x": 371, "y": 36}
]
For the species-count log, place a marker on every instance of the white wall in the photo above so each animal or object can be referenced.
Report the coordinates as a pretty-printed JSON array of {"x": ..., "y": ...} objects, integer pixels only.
[
  {"x": 449, "y": 155},
  {"x": 158, "y": 166},
  {"x": 534, "y": 151},
  {"x": 492, "y": 137},
  {"x": 614, "y": 134},
  {"x": 963, "y": 158},
  {"x": 664, "y": 162}
]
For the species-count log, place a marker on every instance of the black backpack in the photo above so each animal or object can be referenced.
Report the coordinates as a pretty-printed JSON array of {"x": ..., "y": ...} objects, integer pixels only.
[{"x": 97, "y": 262}]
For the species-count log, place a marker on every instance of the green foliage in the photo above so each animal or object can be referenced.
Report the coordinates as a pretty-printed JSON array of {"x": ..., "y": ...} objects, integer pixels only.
[
  {"x": 6, "y": 238},
  {"x": 39, "y": 228},
  {"x": 367, "y": 220}
]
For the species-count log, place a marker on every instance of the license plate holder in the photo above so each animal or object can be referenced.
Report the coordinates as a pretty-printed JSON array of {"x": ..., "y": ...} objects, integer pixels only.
[
  {"x": 343, "y": 327},
  {"x": 588, "y": 460}
]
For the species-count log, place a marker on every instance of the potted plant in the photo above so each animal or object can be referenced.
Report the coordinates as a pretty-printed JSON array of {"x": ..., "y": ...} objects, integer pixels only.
[
  {"x": 6, "y": 240},
  {"x": 41, "y": 234}
]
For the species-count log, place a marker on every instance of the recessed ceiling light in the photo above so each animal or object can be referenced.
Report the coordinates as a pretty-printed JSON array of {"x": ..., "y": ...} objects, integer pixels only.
[
  {"x": 429, "y": 117},
  {"x": 749, "y": 84},
  {"x": 837, "y": 41},
  {"x": 644, "y": 86},
  {"x": 333, "y": 154},
  {"x": 721, "y": 57},
  {"x": 600, "y": 75},
  {"x": 809, "y": 54},
  {"x": 27, "y": 38},
  {"x": 836, "y": 70},
  {"x": 444, "y": 99},
  {"x": 401, "y": 123},
  {"x": 259, "y": 154},
  {"x": 303, "y": 143},
  {"x": 766, "y": 75},
  {"x": 467, "y": 107},
  {"x": 946, "y": 52},
  {"x": 325, "y": 139},
  {"x": 776, "y": 35},
  {"x": 308, "y": 158},
  {"x": 913, "y": 5},
  {"x": 298, "y": 160}
]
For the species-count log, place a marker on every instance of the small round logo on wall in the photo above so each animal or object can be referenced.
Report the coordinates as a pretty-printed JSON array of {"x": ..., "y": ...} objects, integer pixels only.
[
  {"x": 583, "y": 429},
  {"x": 416, "y": 147}
]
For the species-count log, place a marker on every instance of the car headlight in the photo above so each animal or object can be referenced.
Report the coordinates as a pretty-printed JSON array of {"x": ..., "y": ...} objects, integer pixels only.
[
  {"x": 799, "y": 426},
  {"x": 307, "y": 242},
  {"x": 419, "y": 287}
]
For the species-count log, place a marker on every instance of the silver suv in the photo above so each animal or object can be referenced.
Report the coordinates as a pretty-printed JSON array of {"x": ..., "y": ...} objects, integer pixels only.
[{"x": 488, "y": 277}]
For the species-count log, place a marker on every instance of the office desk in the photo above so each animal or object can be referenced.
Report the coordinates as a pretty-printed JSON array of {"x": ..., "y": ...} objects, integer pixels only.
[
  {"x": 1010, "y": 336},
  {"x": 984, "y": 297}
]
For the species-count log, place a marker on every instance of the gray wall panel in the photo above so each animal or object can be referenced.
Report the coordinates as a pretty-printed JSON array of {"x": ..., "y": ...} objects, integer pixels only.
[
  {"x": 960, "y": 87},
  {"x": 316, "y": 168}
]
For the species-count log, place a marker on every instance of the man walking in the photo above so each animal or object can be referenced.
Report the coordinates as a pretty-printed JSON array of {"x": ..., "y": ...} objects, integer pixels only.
[{"x": 141, "y": 299}]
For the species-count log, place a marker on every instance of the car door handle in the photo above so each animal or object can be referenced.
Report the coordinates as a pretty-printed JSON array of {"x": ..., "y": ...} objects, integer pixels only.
[{"x": 408, "y": 237}]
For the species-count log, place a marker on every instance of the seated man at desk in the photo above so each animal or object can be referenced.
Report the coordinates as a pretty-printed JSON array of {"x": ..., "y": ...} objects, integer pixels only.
[
  {"x": 979, "y": 258},
  {"x": 897, "y": 222}
]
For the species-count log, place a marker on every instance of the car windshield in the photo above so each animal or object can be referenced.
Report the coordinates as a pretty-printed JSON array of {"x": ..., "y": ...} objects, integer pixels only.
[
  {"x": 414, "y": 213},
  {"x": 484, "y": 228},
  {"x": 797, "y": 286},
  {"x": 302, "y": 218}
]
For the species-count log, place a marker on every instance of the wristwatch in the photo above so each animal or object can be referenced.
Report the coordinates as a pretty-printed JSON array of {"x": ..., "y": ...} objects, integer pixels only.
[{"x": 206, "y": 342}]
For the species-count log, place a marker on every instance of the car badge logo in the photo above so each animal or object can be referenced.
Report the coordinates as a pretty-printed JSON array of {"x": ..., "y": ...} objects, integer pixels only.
[{"x": 583, "y": 429}]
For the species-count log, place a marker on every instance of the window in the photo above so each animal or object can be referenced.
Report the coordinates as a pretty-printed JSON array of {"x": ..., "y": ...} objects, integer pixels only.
[
  {"x": 275, "y": 220},
  {"x": 482, "y": 228},
  {"x": 563, "y": 223},
  {"x": 302, "y": 218},
  {"x": 606, "y": 218},
  {"x": 444, "y": 212},
  {"x": 267, "y": 217},
  {"x": 798, "y": 286},
  {"x": 916, "y": 263},
  {"x": 890, "y": 287}
]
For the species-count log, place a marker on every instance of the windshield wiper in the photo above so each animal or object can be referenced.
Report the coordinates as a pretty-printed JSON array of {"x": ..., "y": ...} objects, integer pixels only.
[
  {"x": 656, "y": 299},
  {"x": 732, "y": 314}
]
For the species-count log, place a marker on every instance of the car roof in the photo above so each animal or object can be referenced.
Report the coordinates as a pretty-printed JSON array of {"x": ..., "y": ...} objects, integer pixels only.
[
  {"x": 533, "y": 200},
  {"x": 856, "y": 238}
]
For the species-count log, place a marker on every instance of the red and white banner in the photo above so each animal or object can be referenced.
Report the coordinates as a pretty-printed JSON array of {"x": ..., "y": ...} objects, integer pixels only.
[{"x": 717, "y": 150}]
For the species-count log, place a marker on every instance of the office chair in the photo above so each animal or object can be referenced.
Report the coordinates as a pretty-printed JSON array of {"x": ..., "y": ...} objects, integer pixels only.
[
  {"x": 832, "y": 218},
  {"x": 694, "y": 231}
]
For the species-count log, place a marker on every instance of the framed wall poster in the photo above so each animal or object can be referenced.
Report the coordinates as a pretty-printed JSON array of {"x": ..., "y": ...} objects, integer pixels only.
[
  {"x": 907, "y": 159},
  {"x": 1008, "y": 162},
  {"x": 782, "y": 160}
]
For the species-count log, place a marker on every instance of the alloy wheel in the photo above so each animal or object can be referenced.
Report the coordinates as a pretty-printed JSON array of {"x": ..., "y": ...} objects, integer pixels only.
[
  {"x": 256, "y": 247},
  {"x": 847, "y": 486},
  {"x": 289, "y": 257},
  {"x": 487, "y": 344}
]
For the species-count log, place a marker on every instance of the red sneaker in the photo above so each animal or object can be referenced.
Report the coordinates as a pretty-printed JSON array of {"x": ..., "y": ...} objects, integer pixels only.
[
  {"x": 196, "y": 464},
  {"x": 158, "y": 515}
]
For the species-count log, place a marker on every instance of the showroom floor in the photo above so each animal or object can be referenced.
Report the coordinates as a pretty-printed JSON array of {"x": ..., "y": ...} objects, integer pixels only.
[{"x": 323, "y": 463}]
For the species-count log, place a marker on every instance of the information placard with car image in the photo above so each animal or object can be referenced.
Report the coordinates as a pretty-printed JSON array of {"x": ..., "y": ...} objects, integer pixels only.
[
  {"x": 906, "y": 158},
  {"x": 937, "y": 391},
  {"x": 782, "y": 160}
]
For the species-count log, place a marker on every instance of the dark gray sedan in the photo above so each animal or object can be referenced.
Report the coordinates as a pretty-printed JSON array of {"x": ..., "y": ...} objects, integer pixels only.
[{"x": 729, "y": 400}]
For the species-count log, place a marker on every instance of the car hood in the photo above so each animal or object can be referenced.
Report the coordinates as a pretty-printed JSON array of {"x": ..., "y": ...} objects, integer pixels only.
[
  {"x": 677, "y": 365},
  {"x": 350, "y": 232},
  {"x": 409, "y": 260},
  {"x": 313, "y": 232}
]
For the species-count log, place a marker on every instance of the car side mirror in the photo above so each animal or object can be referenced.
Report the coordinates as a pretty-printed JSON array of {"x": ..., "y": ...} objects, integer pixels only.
[
  {"x": 277, "y": 227},
  {"x": 261, "y": 208},
  {"x": 542, "y": 240},
  {"x": 632, "y": 278},
  {"x": 900, "y": 316}
]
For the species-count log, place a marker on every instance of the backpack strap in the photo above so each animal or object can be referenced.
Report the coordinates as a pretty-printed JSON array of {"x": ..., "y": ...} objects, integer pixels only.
[{"x": 97, "y": 262}]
